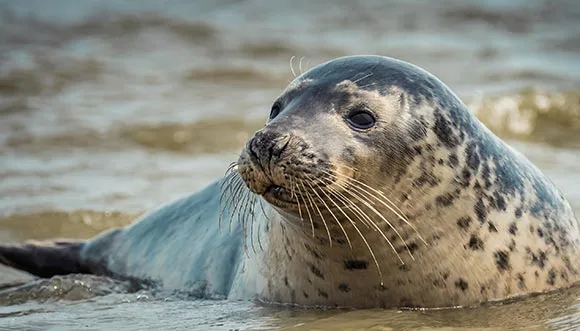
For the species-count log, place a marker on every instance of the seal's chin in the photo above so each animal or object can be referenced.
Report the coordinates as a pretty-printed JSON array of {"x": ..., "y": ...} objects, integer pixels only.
[{"x": 279, "y": 196}]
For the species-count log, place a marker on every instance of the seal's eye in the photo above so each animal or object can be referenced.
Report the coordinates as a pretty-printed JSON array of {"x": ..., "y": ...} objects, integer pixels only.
[
  {"x": 361, "y": 119},
  {"x": 275, "y": 110}
]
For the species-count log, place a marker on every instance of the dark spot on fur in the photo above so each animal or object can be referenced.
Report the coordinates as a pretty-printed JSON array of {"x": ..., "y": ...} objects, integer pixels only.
[
  {"x": 439, "y": 283},
  {"x": 464, "y": 222},
  {"x": 410, "y": 247},
  {"x": 485, "y": 174},
  {"x": 461, "y": 284},
  {"x": 499, "y": 201},
  {"x": 312, "y": 251},
  {"x": 512, "y": 245},
  {"x": 491, "y": 227},
  {"x": 355, "y": 264},
  {"x": 316, "y": 271},
  {"x": 472, "y": 156},
  {"x": 568, "y": 265},
  {"x": 418, "y": 150},
  {"x": 343, "y": 287},
  {"x": 480, "y": 211},
  {"x": 440, "y": 162},
  {"x": 537, "y": 259},
  {"x": 540, "y": 233},
  {"x": 443, "y": 130},
  {"x": 465, "y": 177},
  {"x": 475, "y": 242},
  {"x": 323, "y": 294},
  {"x": 436, "y": 236},
  {"x": 453, "y": 161},
  {"x": 521, "y": 282},
  {"x": 518, "y": 212},
  {"x": 286, "y": 281},
  {"x": 551, "y": 277},
  {"x": 502, "y": 260},
  {"x": 305, "y": 294},
  {"x": 404, "y": 267},
  {"x": 537, "y": 274},
  {"x": 444, "y": 200},
  {"x": 513, "y": 229},
  {"x": 445, "y": 275}
]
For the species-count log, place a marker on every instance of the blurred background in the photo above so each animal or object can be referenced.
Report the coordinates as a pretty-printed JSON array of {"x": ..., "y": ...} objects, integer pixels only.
[{"x": 110, "y": 108}]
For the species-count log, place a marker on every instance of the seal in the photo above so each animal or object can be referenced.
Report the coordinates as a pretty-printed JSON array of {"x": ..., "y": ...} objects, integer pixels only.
[{"x": 371, "y": 185}]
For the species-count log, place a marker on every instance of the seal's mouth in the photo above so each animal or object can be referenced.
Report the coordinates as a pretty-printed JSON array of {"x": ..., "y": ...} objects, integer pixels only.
[{"x": 276, "y": 193}]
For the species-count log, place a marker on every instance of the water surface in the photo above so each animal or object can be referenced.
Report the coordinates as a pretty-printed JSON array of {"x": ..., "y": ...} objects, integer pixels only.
[{"x": 111, "y": 108}]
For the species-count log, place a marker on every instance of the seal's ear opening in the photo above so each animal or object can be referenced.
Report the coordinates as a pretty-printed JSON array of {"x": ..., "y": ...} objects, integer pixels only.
[{"x": 44, "y": 260}]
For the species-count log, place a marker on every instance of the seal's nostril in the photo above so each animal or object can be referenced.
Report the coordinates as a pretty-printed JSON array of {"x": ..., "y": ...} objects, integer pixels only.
[{"x": 253, "y": 149}]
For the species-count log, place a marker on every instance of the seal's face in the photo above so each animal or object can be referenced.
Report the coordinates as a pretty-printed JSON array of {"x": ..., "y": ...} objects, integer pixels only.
[{"x": 328, "y": 124}]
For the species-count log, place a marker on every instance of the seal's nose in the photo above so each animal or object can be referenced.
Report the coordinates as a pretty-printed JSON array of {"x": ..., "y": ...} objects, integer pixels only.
[{"x": 267, "y": 146}]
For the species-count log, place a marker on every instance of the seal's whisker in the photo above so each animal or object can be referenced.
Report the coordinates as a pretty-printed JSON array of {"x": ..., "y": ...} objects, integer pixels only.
[
  {"x": 291, "y": 67},
  {"x": 251, "y": 212},
  {"x": 293, "y": 195},
  {"x": 331, "y": 213},
  {"x": 236, "y": 204},
  {"x": 361, "y": 235},
  {"x": 359, "y": 211},
  {"x": 300, "y": 64},
  {"x": 374, "y": 210},
  {"x": 231, "y": 167},
  {"x": 233, "y": 182},
  {"x": 363, "y": 77},
  {"x": 306, "y": 206},
  {"x": 367, "y": 85},
  {"x": 229, "y": 174},
  {"x": 365, "y": 219},
  {"x": 378, "y": 191},
  {"x": 391, "y": 206},
  {"x": 236, "y": 185},
  {"x": 262, "y": 207},
  {"x": 365, "y": 201},
  {"x": 259, "y": 241},
  {"x": 313, "y": 205},
  {"x": 228, "y": 182},
  {"x": 243, "y": 220}
]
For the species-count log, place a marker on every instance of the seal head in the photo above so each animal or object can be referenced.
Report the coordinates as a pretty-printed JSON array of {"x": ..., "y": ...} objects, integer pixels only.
[{"x": 394, "y": 174}]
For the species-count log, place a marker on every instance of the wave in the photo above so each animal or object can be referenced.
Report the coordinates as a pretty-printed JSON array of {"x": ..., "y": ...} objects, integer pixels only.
[
  {"x": 79, "y": 224},
  {"x": 235, "y": 75},
  {"x": 207, "y": 136},
  {"x": 21, "y": 30},
  {"x": 533, "y": 115}
]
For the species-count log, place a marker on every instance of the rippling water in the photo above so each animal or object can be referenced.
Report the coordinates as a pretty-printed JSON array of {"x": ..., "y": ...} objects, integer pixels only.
[{"x": 110, "y": 108}]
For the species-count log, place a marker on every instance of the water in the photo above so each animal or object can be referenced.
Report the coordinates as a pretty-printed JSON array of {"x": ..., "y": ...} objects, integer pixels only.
[{"x": 110, "y": 108}]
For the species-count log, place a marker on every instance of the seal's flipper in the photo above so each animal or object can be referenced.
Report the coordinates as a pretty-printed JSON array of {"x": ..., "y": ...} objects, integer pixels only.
[{"x": 45, "y": 260}]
